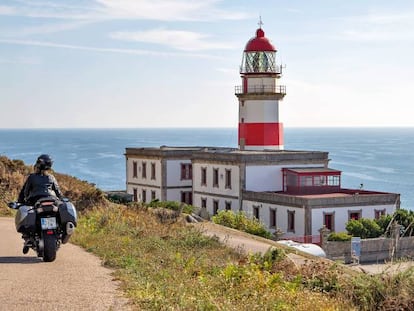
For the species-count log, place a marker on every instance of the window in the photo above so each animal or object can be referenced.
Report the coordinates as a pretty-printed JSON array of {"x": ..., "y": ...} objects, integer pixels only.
[
  {"x": 144, "y": 195},
  {"x": 144, "y": 170},
  {"x": 215, "y": 177},
  {"x": 153, "y": 195},
  {"x": 329, "y": 221},
  {"x": 379, "y": 213},
  {"x": 187, "y": 197},
  {"x": 272, "y": 218},
  {"x": 203, "y": 176},
  {"x": 334, "y": 180},
  {"x": 135, "y": 194},
  {"x": 186, "y": 171},
  {"x": 153, "y": 171},
  {"x": 291, "y": 221},
  {"x": 228, "y": 205},
  {"x": 354, "y": 215},
  {"x": 204, "y": 203},
  {"x": 134, "y": 169},
  {"x": 215, "y": 207},
  {"x": 256, "y": 212},
  {"x": 228, "y": 179}
]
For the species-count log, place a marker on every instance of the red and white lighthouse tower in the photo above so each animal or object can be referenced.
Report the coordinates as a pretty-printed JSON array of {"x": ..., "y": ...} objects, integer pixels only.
[{"x": 259, "y": 96}]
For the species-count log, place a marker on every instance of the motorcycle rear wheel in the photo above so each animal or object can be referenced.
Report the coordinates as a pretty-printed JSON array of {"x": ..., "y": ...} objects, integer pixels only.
[{"x": 50, "y": 247}]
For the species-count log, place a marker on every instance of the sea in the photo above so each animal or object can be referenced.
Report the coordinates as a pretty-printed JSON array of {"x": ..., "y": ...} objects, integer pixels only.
[{"x": 380, "y": 159}]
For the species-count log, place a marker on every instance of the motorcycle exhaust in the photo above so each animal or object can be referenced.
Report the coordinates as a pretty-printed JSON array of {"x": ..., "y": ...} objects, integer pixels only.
[{"x": 70, "y": 228}]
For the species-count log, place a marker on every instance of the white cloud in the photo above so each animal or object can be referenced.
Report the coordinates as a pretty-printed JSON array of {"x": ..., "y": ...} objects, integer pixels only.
[
  {"x": 45, "y": 29},
  {"x": 7, "y": 10},
  {"x": 177, "y": 39},
  {"x": 168, "y": 10},
  {"x": 163, "y": 10},
  {"x": 103, "y": 50}
]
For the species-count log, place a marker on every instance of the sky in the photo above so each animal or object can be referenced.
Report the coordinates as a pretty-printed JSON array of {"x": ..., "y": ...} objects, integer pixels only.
[{"x": 175, "y": 63}]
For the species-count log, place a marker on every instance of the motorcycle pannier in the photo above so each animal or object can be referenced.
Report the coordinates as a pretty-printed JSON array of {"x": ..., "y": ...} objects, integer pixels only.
[
  {"x": 25, "y": 219},
  {"x": 67, "y": 213}
]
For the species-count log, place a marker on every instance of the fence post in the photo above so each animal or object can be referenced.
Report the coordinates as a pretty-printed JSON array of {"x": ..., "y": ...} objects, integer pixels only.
[{"x": 324, "y": 232}]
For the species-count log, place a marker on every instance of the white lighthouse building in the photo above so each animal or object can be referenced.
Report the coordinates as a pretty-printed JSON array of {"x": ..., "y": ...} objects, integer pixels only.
[
  {"x": 291, "y": 191},
  {"x": 259, "y": 96}
]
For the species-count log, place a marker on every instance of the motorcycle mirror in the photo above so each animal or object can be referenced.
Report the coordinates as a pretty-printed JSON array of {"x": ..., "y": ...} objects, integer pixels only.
[{"x": 12, "y": 205}]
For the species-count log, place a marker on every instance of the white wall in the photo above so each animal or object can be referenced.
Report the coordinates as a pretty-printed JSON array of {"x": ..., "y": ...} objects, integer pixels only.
[
  {"x": 341, "y": 215},
  {"x": 259, "y": 111},
  {"x": 268, "y": 177},
  {"x": 257, "y": 82},
  {"x": 221, "y": 189},
  {"x": 174, "y": 173},
  {"x": 221, "y": 202},
  {"x": 139, "y": 179},
  {"x": 281, "y": 216}
]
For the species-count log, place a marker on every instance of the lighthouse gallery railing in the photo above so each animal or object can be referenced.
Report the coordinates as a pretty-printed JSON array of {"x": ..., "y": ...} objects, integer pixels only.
[{"x": 261, "y": 89}]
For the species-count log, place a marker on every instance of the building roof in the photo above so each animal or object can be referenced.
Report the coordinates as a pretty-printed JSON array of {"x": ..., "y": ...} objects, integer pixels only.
[
  {"x": 259, "y": 43},
  {"x": 314, "y": 170},
  {"x": 225, "y": 154}
]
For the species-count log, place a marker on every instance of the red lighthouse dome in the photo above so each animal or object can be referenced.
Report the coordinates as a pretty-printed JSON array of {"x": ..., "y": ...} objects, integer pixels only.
[{"x": 259, "y": 43}]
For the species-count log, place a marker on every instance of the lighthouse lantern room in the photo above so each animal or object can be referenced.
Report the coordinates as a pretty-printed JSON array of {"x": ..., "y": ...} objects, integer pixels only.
[{"x": 259, "y": 96}]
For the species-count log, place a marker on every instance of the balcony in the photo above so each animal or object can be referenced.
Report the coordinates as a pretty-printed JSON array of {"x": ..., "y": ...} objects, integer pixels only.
[{"x": 261, "y": 89}]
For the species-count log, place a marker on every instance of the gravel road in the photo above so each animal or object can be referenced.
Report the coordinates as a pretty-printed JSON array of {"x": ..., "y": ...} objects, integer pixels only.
[{"x": 76, "y": 280}]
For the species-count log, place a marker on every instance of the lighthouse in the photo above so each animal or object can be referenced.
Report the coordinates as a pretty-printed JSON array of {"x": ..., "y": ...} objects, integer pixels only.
[{"x": 259, "y": 96}]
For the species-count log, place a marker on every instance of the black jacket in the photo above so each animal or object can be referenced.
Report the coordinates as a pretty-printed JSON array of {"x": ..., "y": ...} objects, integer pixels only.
[{"x": 39, "y": 185}]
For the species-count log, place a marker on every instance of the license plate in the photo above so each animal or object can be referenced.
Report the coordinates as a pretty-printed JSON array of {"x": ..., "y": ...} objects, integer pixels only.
[{"x": 48, "y": 223}]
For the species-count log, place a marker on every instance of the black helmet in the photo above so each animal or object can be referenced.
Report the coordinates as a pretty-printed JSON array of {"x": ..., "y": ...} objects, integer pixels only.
[{"x": 44, "y": 162}]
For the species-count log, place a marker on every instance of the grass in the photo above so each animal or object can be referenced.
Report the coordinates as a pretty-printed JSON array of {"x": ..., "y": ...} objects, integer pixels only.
[{"x": 172, "y": 266}]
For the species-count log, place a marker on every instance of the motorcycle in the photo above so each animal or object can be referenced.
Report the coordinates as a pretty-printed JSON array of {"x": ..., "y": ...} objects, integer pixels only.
[{"x": 45, "y": 225}]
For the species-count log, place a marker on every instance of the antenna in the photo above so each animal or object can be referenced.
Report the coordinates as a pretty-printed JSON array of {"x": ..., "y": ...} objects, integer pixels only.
[{"x": 260, "y": 23}]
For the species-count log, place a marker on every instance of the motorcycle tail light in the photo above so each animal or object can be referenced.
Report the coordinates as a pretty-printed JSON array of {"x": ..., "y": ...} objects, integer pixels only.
[
  {"x": 39, "y": 210},
  {"x": 49, "y": 232}
]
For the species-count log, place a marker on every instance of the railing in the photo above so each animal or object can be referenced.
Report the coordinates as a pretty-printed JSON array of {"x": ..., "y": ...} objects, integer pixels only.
[{"x": 261, "y": 89}]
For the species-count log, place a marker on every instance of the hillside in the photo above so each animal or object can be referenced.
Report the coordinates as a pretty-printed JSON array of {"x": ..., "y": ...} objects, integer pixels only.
[
  {"x": 166, "y": 264},
  {"x": 13, "y": 173}
]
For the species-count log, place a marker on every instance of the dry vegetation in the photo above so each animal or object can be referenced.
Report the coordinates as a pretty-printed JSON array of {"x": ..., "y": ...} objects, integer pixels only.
[
  {"x": 13, "y": 173},
  {"x": 169, "y": 265}
]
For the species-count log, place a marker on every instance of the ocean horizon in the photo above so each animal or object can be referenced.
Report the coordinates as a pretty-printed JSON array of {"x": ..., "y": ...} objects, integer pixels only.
[{"x": 378, "y": 158}]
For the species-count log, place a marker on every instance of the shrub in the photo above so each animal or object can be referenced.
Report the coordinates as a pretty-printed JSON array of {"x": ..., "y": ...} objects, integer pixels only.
[
  {"x": 241, "y": 222},
  {"x": 364, "y": 228},
  {"x": 172, "y": 205},
  {"x": 339, "y": 236}
]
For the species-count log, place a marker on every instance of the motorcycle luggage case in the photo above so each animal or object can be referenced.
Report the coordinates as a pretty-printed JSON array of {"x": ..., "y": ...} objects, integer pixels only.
[
  {"x": 25, "y": 219},
  {"x": 67, "y": 213}
]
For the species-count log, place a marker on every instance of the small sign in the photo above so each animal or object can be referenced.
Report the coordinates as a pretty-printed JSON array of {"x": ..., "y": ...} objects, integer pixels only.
[{"x": 355, "y": 248}]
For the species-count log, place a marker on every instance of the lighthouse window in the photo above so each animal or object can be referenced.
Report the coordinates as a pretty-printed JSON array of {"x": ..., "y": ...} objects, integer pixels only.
[
  {"x": 144, "y": 170},
  {"x": 272, "y": 217},
  {"x": 134, "y": 169},
  {"x": 203, "y": 176},
  {"x": 186, "y": 171},
  {"x": 144, "y": 196},
  {"x": 215, "y": 207},
  {"x": 228, "y": 179},
  {"x": 135, "y": 194},
  {"x": 215, "y": 177},
  {"x": 328, "y": 221},
  {"x": 291, "y": 221},
  {"x": 153, "y": 171}
]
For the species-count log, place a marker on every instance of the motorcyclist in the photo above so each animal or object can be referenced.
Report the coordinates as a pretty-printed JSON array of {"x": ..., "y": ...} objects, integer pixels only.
[{"x": 40, "y": 183}]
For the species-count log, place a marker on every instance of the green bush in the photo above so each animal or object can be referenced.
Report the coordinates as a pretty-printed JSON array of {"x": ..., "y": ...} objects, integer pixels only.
[
  {"x": 339, "y": 236},
  {"x": 364, "y": 228},
  {"x": 241, "y": 222},
  {"x": 172, "y": 205}
]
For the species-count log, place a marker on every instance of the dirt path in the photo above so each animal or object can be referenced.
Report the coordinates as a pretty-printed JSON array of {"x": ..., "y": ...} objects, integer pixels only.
[{"x": 76, "y": 280}]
